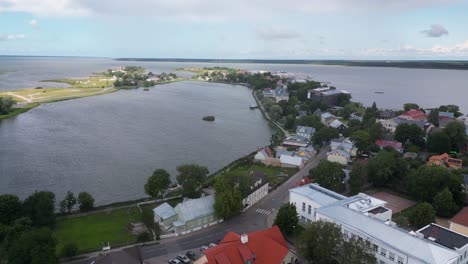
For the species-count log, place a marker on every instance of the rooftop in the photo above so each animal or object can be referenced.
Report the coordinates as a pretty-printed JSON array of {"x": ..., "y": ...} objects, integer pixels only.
[
  {"x": 462, "y": 217},
  {"x": 336, "y": 123},
  {"x": 444, "y": 236},
  {"x": 194, "y": 208},
  {"x": 164, "y": 211},
  {"x": 319, "y": 194}
]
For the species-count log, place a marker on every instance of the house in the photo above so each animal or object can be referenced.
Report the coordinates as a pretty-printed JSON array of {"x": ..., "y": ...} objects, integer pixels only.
[
  {"x": 296, "y": 141},
  {"x": 410, "y": 155},
  {"x": 389, "y": 124},
  {"x": 459, "y": 223},
  {"x": 398, "y": 146},
  {"x": 338, "y": 125},
  {"x": 340, "y": 156},
  {"x": 445, "y": 160},
  {"x": 268, "y": 93},
  {"x": 258, "y": 190},
  {"x": 301, "y": 113},
  {"x": 446, "y": 115},
  {"x": 325, "y": 95},
  {"x": 266, "y": 246},
  {"x": 345, "y": 144},
  {"x": 305, "y": 131},
  {"x": 414, "y": 115},
  {"x": 303, "y": 181},
  {"x": 263, "y": 154},
  {"x": 367, "y": 218},
  {"x": 306, "y": 154},
  {"x": 326, "y": 118},
  {"x": 446, "y": 238},
  {"x": 281, "y": 94},
  {"x": 392, "y": 124},
  {"x": 356, "y": 116},
  {"x": 164, "y": 215},
  {"x": 291, "y": 161},
  {"x": 191, "y": 214},
  {"x": 386, "y": 114}
]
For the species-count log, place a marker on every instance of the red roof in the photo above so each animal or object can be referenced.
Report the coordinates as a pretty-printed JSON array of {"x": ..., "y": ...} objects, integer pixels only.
[
  {"x": 304, "y": 181},
  {"x": 415, "y": 114},
  {"x": 462, "y": 217},
  {"x": 388, "y": 143},
  {"x": 268, "y": 246}
]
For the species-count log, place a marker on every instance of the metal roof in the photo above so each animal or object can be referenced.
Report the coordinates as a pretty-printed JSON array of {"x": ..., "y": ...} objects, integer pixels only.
[
  {"x": 291, "y": 160},
  {"x": 164, "y": 211},
  {"x": 336, "y": 123},
  {"x": 195, "y": 208},
  {"x": 318, "y": 194}
]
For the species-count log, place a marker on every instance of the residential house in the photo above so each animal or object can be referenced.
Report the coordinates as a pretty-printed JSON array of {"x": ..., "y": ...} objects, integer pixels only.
[
  {"x": 317, "y": 112},
  {"x": 338, "y": 125},
  {"x": 459, "y": 223},
  {"x": 192, "y": 214},
  {"x": 266, "y": 246},
  {"x": 263, "y": 154},
  {"x": 258, "y": 190},
  {"x": 410, "y": 155},
  {"x": 326, "y": 118},
  {"x": 398, "y": 146},
  {"x": 356, "y": 116},
  {"x": 446, "y": 115},
  {"x": 369, "y": 219},
  {"x": 345, "y": 144},
  {"x": 306, "y": 154},
  {"x": 291, "y": 161},
  {"x": 340, "y": 156},
  {"x": 305, "y": 131},
  {"x": 296, "y": 141},
  {"x": 165, "y": 215},
  {"x": 445, "y": 160},
  {"x": 325, "y": 95},
  {"x": 386, "y": 114},
  {"x": 414, "y": 115},
  {"x": 392, "y": 124},
  {"x": 268, "y": 93},
  {"x": 389, "y": 124},
  {"x": 301, "y": 113},
  {"x": 281, "y": 94}
]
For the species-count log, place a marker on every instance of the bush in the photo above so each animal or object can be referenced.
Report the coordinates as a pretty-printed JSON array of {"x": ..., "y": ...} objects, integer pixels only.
[
  {"x": 69, "y": 250},
  {"x": 422, "y": 215},
  {"x": 144, "y": 237}
]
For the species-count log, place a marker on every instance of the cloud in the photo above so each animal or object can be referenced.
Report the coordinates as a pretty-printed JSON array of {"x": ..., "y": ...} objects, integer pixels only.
[
  {"x": 277, "y": 33},
  {"x": 33, "y": 23},
  {"x": 435, "y": 31},
  {"x": 11, "y": 37},
  {"x": 457, "y": 50}
]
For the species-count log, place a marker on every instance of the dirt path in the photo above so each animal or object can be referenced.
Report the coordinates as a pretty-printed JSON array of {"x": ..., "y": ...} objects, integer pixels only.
[{"x": 28, "y": 100}]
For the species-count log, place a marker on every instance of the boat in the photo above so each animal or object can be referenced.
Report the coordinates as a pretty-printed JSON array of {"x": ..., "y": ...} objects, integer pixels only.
[
  {"x": 209, "y": 118},
  {"x": 253, "y": 106},
  {"x": 146, "y": 89},
  {"x": 379, "y": 92}
]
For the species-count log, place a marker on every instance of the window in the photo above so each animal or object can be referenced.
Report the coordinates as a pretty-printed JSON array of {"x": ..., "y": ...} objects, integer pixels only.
[
  {"x": 400, "y": 260},
  {"x": 383, "y": 252},
  {"x": 303, "y": 207},
  {"x": 376, "y": 248},
  {"x": 309, "y": 209},
  {"x": 392, "y": 256}
]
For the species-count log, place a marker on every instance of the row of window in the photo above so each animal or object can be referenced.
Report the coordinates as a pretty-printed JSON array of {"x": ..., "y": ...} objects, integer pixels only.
[{"x": 309, "y": 208}]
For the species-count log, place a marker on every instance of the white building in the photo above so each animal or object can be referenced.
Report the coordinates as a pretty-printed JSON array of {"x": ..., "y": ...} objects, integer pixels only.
[
  {"x": 340, "y": 156},
  {"x": 368, "y": 218},
  {"x": 291, "y": 161},
  {"x": 389, "y": 124},
  {"x": 305, "y": 131},
  {"x": 259, "y": 189},
  {"x": 345, "y": 144}
]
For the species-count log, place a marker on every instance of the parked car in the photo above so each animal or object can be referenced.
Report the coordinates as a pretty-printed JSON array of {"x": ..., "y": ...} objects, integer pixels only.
[
  {"x": 212, "y": 245},
  {"x": 175, "y": 261},
  {"x": 203, "y": 248},
  {"x": 183, "y": 259},
  {"x": 192, "y": 255}
]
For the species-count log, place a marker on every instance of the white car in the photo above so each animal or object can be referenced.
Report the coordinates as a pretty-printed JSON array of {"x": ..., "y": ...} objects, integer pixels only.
[
  {"x": 212, "y": 245},
  {"x": 183, "y": 259},
  {"x": 174, "y": 261},
  {"x": 203, "y": 248}
]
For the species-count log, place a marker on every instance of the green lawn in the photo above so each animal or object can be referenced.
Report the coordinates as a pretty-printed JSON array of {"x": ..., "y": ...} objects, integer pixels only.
[
  {"x": 89, "y": 232},
  {"x": 272, "y": 173}
]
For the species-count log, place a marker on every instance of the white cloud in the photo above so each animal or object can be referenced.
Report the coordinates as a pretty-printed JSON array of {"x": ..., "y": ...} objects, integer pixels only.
[
  {"x": 435, "y": 31},
  {"x": 11, "y": 37},
  {"x": 33, "y": 23},
  {"x": 277, "y": 33},
  {"x": 457, "y": 50}
]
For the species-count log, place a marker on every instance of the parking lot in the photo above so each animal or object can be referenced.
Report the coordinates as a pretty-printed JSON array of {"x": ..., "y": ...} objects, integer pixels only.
[{"x": 189, "y": 258}]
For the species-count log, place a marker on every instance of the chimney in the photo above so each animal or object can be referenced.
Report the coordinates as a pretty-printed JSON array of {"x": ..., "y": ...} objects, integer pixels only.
[{"x": 244, "y": 238}]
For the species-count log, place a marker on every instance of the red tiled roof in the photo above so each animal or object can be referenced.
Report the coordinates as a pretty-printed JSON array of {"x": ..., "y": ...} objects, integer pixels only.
[
  {"x": 462, "y": 217},
  {"x": 387, "y": 143},
  {"x": 304, "y": 181},
  {"x": 415, "y": 114},
  {"x": 268, "y": 246}
]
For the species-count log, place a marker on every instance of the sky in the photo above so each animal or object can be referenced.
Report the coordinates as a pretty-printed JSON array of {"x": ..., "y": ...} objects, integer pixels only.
[{"x": 241, "y": 29}]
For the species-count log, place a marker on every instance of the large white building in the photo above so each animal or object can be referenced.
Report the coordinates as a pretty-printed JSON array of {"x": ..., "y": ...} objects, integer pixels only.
[{"x": 368, "y": 218}]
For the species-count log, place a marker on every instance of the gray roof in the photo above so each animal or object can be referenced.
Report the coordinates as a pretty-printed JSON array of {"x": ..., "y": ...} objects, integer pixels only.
[
  {"x": 305, "y": 129},
  {"x": 164, "y": 211},
  {"x": 340, "y": 151},
  {"x": 319, "y": 194},
  {"x": 344, "y": 143},
  {"x": 444, "y": 236},
  {"x": 327, "y": 115},
  {"x": 400, "y": 121},
  {"x": 400, "y": 240},
  {"x": 195, "y": 208},
  {"x": 336, "y": 123}
]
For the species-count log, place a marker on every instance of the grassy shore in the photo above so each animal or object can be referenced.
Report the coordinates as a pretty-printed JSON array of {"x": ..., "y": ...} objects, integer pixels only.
[{"x": 17, "y": 111}]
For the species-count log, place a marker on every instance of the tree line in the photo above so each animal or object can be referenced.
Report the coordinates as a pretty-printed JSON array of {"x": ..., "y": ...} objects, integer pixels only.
[{"x": 6, "y": 104}]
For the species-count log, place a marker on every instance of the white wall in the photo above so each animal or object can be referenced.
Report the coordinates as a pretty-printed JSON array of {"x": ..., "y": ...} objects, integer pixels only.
[{"x": 298, "y": 200}]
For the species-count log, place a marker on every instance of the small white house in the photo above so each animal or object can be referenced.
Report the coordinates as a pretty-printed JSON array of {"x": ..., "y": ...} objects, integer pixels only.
[
  {"x": 259, "y": 189},
  {"x": 305, "y": 131},
  {"x": 340, "y": 156},
  {"x": 291, "y": 161},
  {"x": 389, "y": 124},
  {"x": 263, "y": 154}
]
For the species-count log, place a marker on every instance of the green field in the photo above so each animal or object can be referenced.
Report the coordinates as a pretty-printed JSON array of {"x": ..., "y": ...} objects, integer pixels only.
[
  {"x": 88, "y": 232},
  {"x": 273, "y": 173},
  {"x": 17, "y": 111}
]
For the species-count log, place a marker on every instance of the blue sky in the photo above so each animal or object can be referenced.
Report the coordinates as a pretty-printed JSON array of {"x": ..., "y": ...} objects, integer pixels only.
[{"x": 243, "y": 29}]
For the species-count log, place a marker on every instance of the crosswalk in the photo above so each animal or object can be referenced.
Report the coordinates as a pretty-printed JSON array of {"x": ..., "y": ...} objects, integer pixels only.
[{"x": 263, "y": 211}]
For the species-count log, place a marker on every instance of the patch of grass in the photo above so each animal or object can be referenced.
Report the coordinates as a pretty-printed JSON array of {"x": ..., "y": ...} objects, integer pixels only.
[
  {"x": 402, "y": 218},
  {"x": 91, "y": 82},
  {"x": 17, "y": 111},
  {"x": 273, "y": 173},
  {"x": 89, "y": 232}
]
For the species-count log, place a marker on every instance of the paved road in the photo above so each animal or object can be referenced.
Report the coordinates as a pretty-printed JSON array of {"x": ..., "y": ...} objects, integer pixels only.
[{"x": 259, "y": 216}]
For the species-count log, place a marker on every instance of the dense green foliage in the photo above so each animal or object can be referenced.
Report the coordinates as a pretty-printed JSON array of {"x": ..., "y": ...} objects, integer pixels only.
[
  {"x": 287, "y": 219},
  {"x": 409, "y": 133},
  {"x": 409, "y": 106},
  {"x": 69, "y": 250},
  {"x": 457, "y": 135},
  {"x": 323, "y": 243},
  {"x": 10, "y": 208},
  {"x": 157, "y": 183},
  {"x": 452, "y": 109},
  {"x": 387, "y": 169},
  {"x": 439, "y": 142},
  {"x": 357, "y": 178},
  {"x": 422, "y": 215},
  {"x": 191, "y": 176},
  {"x": 228, "y": 200},
  {"x": 444, "y": 204},
  {"x": 40, "y": 208},
  {"x": 325, "y": 134},
  {"x": 35, "y": 247},
  {"x": 329, "y": 175},
  {"x": 362, "y": 140},
  {"x": 85, "y": 201},
  {"x": 6, "y": 103},
  {"x": 67, "y": 204}
]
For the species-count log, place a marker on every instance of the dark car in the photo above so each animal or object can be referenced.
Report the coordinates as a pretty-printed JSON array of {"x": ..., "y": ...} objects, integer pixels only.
[
  {"x": 183, "y": 259},
  {"x": 192, "y": 255}
]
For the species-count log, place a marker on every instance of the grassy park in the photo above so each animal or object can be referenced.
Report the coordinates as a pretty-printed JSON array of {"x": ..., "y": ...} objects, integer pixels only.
[{"x": 274, "y": 174}]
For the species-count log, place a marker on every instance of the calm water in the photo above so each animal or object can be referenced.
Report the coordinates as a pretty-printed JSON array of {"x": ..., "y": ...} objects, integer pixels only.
[
  {"x": 426, "y": 87},
  {"x": 109, "y": 145}
]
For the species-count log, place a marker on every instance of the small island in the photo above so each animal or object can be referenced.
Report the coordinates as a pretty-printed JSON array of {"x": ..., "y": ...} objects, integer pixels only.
[{"x": 209, "y": 118}]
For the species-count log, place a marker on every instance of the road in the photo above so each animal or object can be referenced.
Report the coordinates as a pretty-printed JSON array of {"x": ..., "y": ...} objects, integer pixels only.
[{"x": 259, "y": 216}]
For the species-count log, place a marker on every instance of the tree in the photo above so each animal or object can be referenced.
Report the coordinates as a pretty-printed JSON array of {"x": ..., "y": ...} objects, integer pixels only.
[
  {"x": 290, "y": 121},
  {"x": 409, "y": 133},
  {"x": 147, "y": 217},
  {"x": 287, "y": 219},
  {"x": 410, "y": 106},
  {"x": 36, "y": 247},
  {"x": 275, "y": 112},
  {"x": 433, "y": 117},
  {"x": 228, "y": 199},
  {"x": 310, "y": 121},
  {"x": 422, "y": 215},
  {"x": 444, "y": 204},
  {"x": 275, "y": 140},
  {"x": 40, "y": 208},
  {"x": 376, "y": 131},
  {"x": 343, "y": 99},
  {"x": 63, "y": 206},
  {"x": 10, "y": 208},
  {"x": 324, "y": 134},
  {"x": 157, "y": 183},
  {"x": 6, "y": 103},
  {"x": 457, "y": 134},
  {"x": 439, "y": 142},
  {"x": 323, "y": 243},
  {"x": 70, "y": 201},
  {"x": 362, "y": 140},
  {"x": 190, "y": 177},
  {"x": 69, "y": 250},
  {"x": 357, "y": 178},
  {"x": 329, "y": 175},
  {"x": 452, "y": 109},
  {"x": 85, "y": 201}
]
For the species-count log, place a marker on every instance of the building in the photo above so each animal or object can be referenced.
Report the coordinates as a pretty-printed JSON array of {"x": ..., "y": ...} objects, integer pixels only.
[
  {"x": 386, "y": 114},
  {"x": 291, "y": 161},
  {"x": 191, "y": 214},
  {"x": 459, "y": 223},
  {"x": 367, "y": 218},
  {"x": 263, "y": 154},
  {"x": 266, "y": 246},
  {"x": 389, "y": 124},
  {"x": 447, "y": 239},
  {"x": 258, "y": 190},
  {"x": 392, "y": 124},
  {"x": 356, "y": 116},
  {"x": 165, "y": 215},
  {"x": 340, "y": 156},
  {"x": 345, "y": 144},
  {"x": 338, "y": 125},
  {"x": 326, "y": 118},
  {"x": 279, "y": 94},
  {"x": 305, "y": 131},
  {"x": 296, "y": 141},
  {"x": 325, "y": 95},
  {"x": 414, "y": 115},
  {"x": 398, "y": 146},
  {"x": 445, "y": 160}
]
